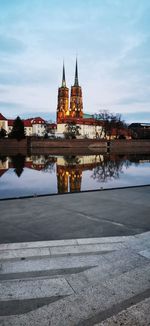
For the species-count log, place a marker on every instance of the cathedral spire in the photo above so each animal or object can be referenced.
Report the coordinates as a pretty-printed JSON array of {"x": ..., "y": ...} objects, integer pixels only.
[
  {"x": 63, "y": 77},
  {"x": 76, "y": 81},
  {"x": 76, "y": 103},
  {"x": 63, "y": 99}
]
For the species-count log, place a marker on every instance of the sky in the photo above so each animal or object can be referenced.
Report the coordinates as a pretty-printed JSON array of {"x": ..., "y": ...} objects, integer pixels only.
[{"x": 111, "y": 39}]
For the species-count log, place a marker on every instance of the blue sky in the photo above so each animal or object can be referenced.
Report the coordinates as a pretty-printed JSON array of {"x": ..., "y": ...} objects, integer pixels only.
[{"x": 111, "y": 38}]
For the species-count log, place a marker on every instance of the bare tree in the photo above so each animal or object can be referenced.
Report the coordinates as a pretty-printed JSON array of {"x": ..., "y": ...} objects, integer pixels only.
[
  {"x": 3, "y": 133},
  {"x": 72, "y": 130},
  {"x": 111, "y": 122},
  {"x": 110, "y": 168}
]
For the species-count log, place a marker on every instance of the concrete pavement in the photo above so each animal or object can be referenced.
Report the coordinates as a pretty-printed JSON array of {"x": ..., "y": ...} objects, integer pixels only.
[
  {"x": 79, "y": 215},
  {"x": 97, "y": 274},
  {"x": 100, "y": 281}
]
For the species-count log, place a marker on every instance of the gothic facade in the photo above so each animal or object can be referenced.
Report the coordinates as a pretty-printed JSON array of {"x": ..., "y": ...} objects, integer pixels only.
[
  {"x": 74, "y": 109},
  {"x": 63, "y": 100},
  {"x": 70, "y": 109}
]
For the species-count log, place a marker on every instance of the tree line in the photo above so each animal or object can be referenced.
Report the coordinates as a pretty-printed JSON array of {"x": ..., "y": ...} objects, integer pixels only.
[{"x": 17, "y": 132}]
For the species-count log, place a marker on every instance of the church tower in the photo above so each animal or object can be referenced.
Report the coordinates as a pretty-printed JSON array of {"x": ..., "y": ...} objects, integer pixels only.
[
  {"x": 76, "y": 103},
  {"x": 63, "y": 99}
]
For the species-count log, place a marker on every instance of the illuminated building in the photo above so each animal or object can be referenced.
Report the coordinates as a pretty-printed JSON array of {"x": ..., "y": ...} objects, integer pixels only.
[
  {"x": 76, "y": 102},
  {"x": 63, "y": 100},
  {"x": 89, "y": 127}
]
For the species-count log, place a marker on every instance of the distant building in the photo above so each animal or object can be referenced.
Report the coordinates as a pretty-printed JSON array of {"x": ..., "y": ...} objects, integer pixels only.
[
  {"x": 3, "y": 122},
  {"x": 10, "y": 125},
  {"x": 38, "y": 126},
  {"x": 28, "y": 127},
  {"x": 140, "y": 130},
  {"x": 33, "y": 126},
  {"x": 51, "y": 129}
]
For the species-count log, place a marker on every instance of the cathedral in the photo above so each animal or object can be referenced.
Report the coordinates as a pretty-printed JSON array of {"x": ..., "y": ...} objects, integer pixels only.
[{"x": 70, "y": 110}]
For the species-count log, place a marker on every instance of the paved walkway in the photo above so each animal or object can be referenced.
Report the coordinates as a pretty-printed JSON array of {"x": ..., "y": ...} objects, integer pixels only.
[
  {"x": 82, "y": 215},
  {"x": 100, "y": 281},
  {"x": 98, "y": 274}
]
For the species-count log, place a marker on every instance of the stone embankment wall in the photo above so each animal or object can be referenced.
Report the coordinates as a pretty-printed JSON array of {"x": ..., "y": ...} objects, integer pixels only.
[
  {"x": 130, "y": 146},
  {"x": 76, "y": 146},
  {"x": 13, "y": 147},
  {"x": 66, "y": 143},
  {"x": 68, "y": 147}
]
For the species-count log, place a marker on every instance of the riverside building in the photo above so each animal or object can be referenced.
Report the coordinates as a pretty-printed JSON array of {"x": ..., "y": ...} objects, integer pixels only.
[
  {"x": 70, "y": 111},
  {"x": 33, "y": 126}
]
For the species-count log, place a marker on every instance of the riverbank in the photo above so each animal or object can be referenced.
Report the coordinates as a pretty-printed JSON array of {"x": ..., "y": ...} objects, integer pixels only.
[{"x": 76, "y": 146}]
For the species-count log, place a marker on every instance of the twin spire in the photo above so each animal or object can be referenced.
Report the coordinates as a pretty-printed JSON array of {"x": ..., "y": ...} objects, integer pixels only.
[
  {"x": 76, "y": 81},
  {"x": 63, "y": 77}
]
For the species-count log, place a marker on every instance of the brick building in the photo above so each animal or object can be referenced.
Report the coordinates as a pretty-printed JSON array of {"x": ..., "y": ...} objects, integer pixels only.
[{"x": 72, "y": 111}]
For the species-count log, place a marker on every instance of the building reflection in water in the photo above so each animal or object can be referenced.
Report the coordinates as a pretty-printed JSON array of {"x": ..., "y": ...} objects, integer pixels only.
[
  {"x": 4, "y": 164},
  {"x": 68, "y": 179},
  {"x": 69, "y": 169},
  {"x": 19, "y": 162}
]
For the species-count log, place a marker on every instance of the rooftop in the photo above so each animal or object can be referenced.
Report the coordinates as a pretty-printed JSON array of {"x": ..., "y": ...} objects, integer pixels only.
[{"x": 2, "y": 117}]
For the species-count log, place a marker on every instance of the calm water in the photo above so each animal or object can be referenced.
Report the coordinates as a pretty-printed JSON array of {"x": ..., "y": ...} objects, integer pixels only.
[{"x": 34, "y": 175}]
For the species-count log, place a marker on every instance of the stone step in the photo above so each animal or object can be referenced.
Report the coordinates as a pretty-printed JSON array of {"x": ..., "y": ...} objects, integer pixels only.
[
  {"x": 88, "y": 306},
  {"x": 74, "y": 246},
  {"x": 67, "y": 283},
  {"x": 34, "y": 288},
  {"x": 60, "y": 243},
  {"x": 110, "y": 262},
  {"x": 53, "y": 273},
  {"x": 116, "y": 264},
  {"x": 108, "y": 266},
  {"x": 48, "y": 264},
  {"x": 59, "y": 250},
  {"x": 138, "y": 314}
]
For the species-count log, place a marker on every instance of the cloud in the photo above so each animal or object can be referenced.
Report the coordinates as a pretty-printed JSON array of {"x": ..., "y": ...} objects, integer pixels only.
[
  {"x": 9, "y": 105},
  {"x": 10, "y": 45},
  {"x": 33, "y": 77},
  {"x": 112, "y": 41},
  {"x": 47, "y": 116},
  {"x": 134, "y": 100},
  {"x": 137, "y": 116}
]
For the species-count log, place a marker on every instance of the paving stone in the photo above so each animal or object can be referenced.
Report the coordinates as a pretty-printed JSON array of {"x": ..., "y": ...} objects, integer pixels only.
[
  {"x": 145, "y": 253},
  {"x": 28, "y": 265},
  {"x": 104, "y": 271},
  {"x": 68, "y": 311},
  {"x": 19, "y": 253},
  {"x": 89, "y": 248},
  {"x": 144, "y": 235},
  {"x": 128, "y": 256},
  {"x": 34, "y": 288},
  {"x": 37, "y": 244},
  {"x": 102, "y": 240},
  {"x": 114, "y": 277},
  {"x": 137, "y": 315},
  {"x": 124, "y": 319},
  {"x": 141, "y": 312},
  {"x": 79, "y": 308},
  {"x": 139, "y": 245},
  {"x": 130, "y": 283}
]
